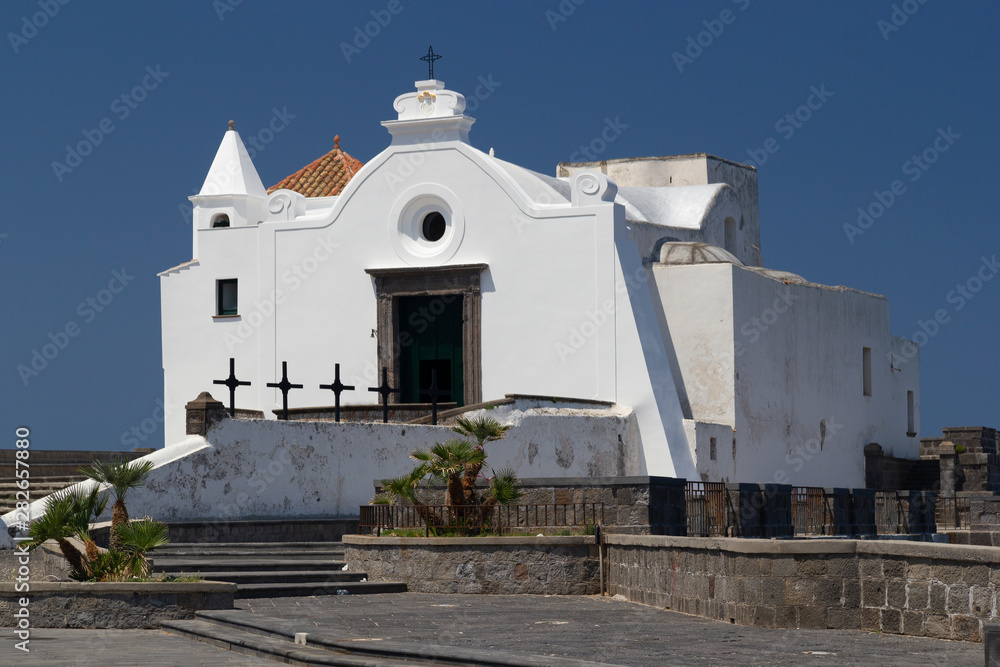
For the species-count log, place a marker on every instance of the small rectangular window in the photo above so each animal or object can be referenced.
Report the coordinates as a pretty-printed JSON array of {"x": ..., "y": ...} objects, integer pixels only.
[
  {"x": 712, "y": 454},
  {"x": 910, "y": 421},
  {"x": 866, "y": 360},
  {"x": 226, "y": 297}
]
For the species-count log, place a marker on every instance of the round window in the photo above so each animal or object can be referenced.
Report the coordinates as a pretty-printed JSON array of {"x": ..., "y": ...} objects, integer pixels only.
[
  {"x": 426, "y": 224},
  {"x": 434, "y": 226}
]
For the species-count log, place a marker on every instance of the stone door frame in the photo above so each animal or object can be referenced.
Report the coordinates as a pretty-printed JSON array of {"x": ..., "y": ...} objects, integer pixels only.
[{"x": 459, "y": 279}]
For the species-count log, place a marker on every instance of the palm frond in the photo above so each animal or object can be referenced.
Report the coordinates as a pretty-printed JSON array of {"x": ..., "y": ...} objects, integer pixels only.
[
  {"x": 143, "y": 535},
  {"x": 505, "y": 487},
  {"x": 482, "y": 429},
  {"x": 121, "y": 475},
  {"x": 405, "y": 486}
]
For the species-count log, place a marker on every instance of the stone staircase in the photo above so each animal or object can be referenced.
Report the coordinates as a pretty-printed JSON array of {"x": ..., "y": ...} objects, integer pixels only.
[
  {"x": 269, "y": 569},
  {"x": 39, "y": 488}
]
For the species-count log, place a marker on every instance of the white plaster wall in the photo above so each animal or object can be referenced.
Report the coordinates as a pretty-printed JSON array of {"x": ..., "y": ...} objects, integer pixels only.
[
  {"x": 801, "y": 412},
  {"x": 698, "y": 305},
  {"x": 700, "y": 434},
  {"x": 773, "y": 360},
  {"x": 566, "y": 439}
]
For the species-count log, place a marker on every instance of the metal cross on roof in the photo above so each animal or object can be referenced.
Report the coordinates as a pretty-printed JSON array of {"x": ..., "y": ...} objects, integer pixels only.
[
  {"x": 385, "y": 390},
  {"x": 232, "y": 383},
  {"x": 429, "y": 59},
  {"x": 435, "y": 393},
  {"x": 284, "y": 386},
  {"x": 337, "y": 386}
]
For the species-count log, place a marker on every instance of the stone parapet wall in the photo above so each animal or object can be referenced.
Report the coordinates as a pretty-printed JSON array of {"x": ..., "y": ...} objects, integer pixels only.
[
  {"x": 896, "y": 587},
  {"x": 969, "y": 459},
  {"x": 502, "y": 565},
  {"x": 112, "y": 605},
  {"x": 889, "y": 473}
]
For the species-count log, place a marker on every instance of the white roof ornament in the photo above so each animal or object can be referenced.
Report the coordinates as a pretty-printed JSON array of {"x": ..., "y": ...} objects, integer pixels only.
[
  {"x": 430, "y": 101},
  {"x": 232, "y": 171},
  {"x": 431, "y": 114}
]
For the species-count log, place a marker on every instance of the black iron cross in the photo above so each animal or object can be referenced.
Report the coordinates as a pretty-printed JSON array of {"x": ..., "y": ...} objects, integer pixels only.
[
  {"x": 435, "y": 393},
  {"x": 429, "y": 59},
  {"x": 385, "y": 390},
  {"x": 232, "y": 383},
  {"x": 337, "y": 387},
  {"x": 284, "y": 386}
]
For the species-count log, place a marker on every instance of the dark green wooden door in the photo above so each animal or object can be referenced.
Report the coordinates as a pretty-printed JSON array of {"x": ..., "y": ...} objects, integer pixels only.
[{"x": 430, "y": 337}]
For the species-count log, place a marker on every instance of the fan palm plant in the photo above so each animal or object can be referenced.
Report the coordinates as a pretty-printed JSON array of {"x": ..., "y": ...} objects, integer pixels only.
[
  {"x": 405, "y": 487},
  {"x": 504, "y": 488},
  {"x": 88, "y": 504},
  {"x": 449, "y": 462},
  {"x": 68, "y": 514},
  {"x": 481, "y": 430},
  {"x": 120, "y": 475},
  {"x": 139, "y": 537}
]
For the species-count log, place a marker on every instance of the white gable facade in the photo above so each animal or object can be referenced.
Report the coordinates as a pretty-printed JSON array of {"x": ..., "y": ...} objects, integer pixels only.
[{"x": 636, "y": 282}]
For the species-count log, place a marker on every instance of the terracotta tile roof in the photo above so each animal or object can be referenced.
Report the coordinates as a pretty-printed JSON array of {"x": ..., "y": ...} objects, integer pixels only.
[{"x": 325, "y": 177}]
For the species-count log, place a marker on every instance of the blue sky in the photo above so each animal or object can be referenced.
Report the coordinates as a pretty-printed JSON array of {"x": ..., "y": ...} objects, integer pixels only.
[{"x": 886, "y": 81}]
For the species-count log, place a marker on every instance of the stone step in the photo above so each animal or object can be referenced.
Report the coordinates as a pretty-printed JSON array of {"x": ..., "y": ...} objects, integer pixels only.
[
  {"x": 410, "y": 653},
  {"x": 194, "y": 546},
  {"x": 272, "y": 554},
  {"x": 47, "y": 479},
  {"x": 275, "y": 590},
  {"x": 280, "y": 650},
  {"x": 208, "y": 564},
  {"x": 277, "y": 576},
  {"x": 36, "y": 488}
]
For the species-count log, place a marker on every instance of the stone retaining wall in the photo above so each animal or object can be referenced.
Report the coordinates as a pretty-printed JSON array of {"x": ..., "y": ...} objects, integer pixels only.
[
  {"x": 896, "y": 587},
  {"x": 112, "y": 605},
  {"x": 492, "y": 565}
]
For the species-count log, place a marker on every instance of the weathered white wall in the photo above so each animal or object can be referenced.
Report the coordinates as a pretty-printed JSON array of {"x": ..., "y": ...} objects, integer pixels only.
[
  {"x": 277, "y": 470},
  {"x": 799, "y": 387},
  {"x": 698, "y": 305},
  {"x": 782, "y": 364},
  {"x": 270, "y": 469}
]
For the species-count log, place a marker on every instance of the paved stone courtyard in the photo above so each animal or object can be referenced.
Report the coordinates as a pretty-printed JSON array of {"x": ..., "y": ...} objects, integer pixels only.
[
  {"x": 603, "y": 630},
  {"x": 591, "y": 628}
]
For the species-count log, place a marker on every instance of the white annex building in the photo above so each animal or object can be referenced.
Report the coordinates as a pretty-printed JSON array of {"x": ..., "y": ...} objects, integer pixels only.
[{"x": 638, "y": 282}]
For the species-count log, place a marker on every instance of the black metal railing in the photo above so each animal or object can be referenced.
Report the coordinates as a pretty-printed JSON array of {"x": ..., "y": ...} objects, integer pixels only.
[
  {"x": 706, "y": 508},
  {"x": 952, "y": 513},
  {"x": 712, "y": 511},
  {"x": 444, "y": 520}
]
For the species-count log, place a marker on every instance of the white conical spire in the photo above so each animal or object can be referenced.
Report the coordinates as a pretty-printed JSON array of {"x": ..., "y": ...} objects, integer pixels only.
[{"x": 232, "y": 171}]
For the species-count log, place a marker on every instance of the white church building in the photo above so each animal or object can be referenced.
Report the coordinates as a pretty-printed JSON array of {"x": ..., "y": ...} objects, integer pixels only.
[{"x": 638, "y": 282}]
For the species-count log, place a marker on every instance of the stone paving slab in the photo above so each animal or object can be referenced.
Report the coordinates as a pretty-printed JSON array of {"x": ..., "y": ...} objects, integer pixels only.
[
  {"x": 602, "y": 630},
  {"x": 116, "y": 648}
]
